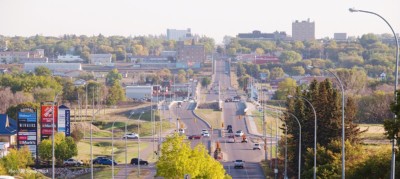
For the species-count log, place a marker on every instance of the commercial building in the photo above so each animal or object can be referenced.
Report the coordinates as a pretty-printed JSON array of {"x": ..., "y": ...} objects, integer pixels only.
[
  {"x": 190, "y": 56},
  {"x": 8, "y": 129},
  {"x": 55, "y": 67},
  {"x": 257, "y": 35},
  {"x": 23, "y": 57},
  {"x": 174, "y": 34},
  {"x": 101, "y": 59},
  {"x": 138, "y": 92},
  {"x": 304, "y": 30},
  {"x": 340, "y": 36},
  {"x": 69, "y": 59}
]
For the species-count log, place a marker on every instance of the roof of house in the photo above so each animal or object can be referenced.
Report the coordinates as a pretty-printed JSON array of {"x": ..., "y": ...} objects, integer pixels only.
[{"x": 8, "y": 126}]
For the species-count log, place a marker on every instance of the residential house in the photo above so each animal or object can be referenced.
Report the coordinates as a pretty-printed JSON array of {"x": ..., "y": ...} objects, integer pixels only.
[
  {"x": 101, "y": 59},
  {"x": 69, "y": 59}
]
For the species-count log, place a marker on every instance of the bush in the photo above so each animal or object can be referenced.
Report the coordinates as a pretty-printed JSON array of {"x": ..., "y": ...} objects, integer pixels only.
[{"x": 77, "y": 135}]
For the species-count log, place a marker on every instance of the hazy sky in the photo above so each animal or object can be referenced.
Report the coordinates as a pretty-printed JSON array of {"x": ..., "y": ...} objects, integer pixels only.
[{"x": 213, "y": 18}]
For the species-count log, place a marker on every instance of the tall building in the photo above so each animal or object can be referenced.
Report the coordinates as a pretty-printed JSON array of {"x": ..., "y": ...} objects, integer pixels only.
[
  {"x": 340, "y": 36},
  {"x": 257, "y": 35},
  {"x": 173, "y": 34},
  {"x": 190, "y": 55},
  {"x": 304, "y": 30}
]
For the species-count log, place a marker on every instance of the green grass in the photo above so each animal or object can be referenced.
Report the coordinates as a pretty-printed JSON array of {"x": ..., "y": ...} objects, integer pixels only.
[
  {"x": 374, "y": 131},
  {"x": 105, "y": 149},
  {"x": 119, "y": 128},
  {"x": 271, "y": 120},
  {"x": 146, "y": 116},
  {"x": 98, "y": 134},
  {"x": 211, "y": 116}
]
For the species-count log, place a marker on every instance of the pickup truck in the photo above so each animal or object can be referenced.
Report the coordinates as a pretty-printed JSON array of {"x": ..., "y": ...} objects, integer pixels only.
[{"x": 238, "y": 164}]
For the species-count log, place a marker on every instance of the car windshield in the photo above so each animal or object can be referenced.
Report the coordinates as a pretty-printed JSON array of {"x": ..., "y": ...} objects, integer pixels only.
[{"x": 239, "y": 160}]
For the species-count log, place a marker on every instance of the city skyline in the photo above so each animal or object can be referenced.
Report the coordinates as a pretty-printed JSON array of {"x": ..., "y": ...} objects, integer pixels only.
[{"x": 212, "y": 19}]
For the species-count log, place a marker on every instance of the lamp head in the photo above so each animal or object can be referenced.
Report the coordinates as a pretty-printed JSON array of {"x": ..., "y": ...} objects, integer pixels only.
[
  {"x": 132, "y": 112},
  {"x": 353, "y": 10}
]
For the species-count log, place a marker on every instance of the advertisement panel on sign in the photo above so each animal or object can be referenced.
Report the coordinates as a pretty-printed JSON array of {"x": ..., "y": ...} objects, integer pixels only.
[
  {"x": 47, "y": 114},
  {"x": 27, "y": 130},
  {"x": 63, "y": 124}
]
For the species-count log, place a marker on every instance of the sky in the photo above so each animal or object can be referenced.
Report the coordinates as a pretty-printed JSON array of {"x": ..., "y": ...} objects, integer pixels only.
[{"x": 212, "y": 18}]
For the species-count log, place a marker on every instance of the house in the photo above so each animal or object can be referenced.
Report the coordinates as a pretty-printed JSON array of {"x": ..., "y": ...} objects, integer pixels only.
[
  {"x": 4, "y": 149},
  {"x": 8, "y": 129}
]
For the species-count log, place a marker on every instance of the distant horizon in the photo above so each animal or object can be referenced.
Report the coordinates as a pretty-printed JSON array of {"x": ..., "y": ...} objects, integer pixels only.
[{"x": 213, "y": 19}]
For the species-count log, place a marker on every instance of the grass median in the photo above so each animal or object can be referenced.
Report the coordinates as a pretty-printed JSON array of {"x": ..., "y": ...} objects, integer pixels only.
[{"x": 211, "y": 116}]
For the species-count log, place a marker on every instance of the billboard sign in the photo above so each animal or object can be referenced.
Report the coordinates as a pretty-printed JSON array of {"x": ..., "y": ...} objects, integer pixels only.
[
  {"x": 63, "y": 124},
  {"x": 47, "y": 114},
  {"x": 27, "y": 130}
]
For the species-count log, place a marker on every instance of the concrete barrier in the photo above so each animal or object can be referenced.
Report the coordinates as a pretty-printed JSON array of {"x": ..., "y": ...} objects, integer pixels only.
[{"x": 194, "y": 113}]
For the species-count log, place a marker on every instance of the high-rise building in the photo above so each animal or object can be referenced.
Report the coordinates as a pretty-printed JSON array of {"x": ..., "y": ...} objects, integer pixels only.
[
  {"x": 173, "y": 34},
  {"x": 257, "y": 35},
  {"x": 304, "y": 30}
]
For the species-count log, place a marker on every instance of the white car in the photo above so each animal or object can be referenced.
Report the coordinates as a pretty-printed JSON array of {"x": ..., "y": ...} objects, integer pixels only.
[
  {"x": 239, "y": 133},
  {"x": 181, "y": 131},
  {"x": 131, "y": 136},
  {"x": 72, "y": 162},
  {"x": 205, "y": 134},
  {"x": 257, "y": 146}
]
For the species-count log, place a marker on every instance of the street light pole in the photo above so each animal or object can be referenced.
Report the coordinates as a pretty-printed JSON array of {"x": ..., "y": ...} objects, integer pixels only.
[
  {"x": 112, "y": 149},
  {"x": 52, "y": 141},
  {"x": 139, "y": 143},
  {"x": 393, "y": 163},
  {"x": 126, "y": 146},
  {"x": 315, "y": 133},
  {"x": 299, "y": 164}
]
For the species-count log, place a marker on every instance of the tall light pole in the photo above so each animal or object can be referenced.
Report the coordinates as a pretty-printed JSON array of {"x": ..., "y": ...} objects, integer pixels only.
[
  {"x": 112, "y": 150},
  {"x": 315, "y": 132},
  {"x": 52, "y": 140},
  {"x": 393, "y": 163},
  {"x": 139, "y": 143},
  {"x": 299, "y": 164},
  {"x": 91, "y": 139},
  {"x": 126, "y": 146}
]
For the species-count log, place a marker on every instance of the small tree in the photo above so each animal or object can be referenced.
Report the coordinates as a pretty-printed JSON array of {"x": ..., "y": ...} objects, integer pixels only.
[
  {"x": 64, "y": 148},
  {"x": 16, "y": 160},
  {"x": 205, "y": 82}
]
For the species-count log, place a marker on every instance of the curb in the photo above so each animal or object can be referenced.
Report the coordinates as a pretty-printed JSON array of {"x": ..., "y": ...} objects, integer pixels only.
[
  {"x": 194, "y": 113},
  {"x": 246, "y": 122}
]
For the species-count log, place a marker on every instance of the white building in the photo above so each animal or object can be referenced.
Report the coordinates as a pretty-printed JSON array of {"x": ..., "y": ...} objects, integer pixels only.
[
  {"x": 4, "y": 149},
  {"x": 304, "y": 30},
  {"x": 340, "y": 36},
  {"x": 55, "y": 67},
  {"x": 174, "y": 34},
  {"x": 101, "y": 59},
  {"x": 138, "y": 92},
  {"x": 69, "y": 59}
]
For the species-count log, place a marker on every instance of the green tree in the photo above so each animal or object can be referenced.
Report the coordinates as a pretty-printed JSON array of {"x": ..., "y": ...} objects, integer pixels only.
[
  {"x": 290, "y": 57},
  {"x": 178, "y": 159},
  {"x": 190, "y": 73},
  {"x": 112, "y": 76},
  {"x": 298, "y": 70},
  {"x": 13, "y": 110},
  {"x": 42, "y": 71},
  {"x": 16, "y": 160},
  {"x": 115, "y": 94},
  {"x": 285, "y": 87},
  {"x": 277, "y": 72},
  {"x": 64, "y": 148},
  {"x": 205, "y": 81}
]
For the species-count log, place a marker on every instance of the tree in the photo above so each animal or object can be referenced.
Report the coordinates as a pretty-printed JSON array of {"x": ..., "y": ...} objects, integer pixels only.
[
  {"x": 190, "y": 73},
  {"x": 298, "y": 70},
  {"x": 354, "y": 80},
  {"x": 277, "y": 72},
  {"x": 16, "y": 160},
  {"x": 115, "y": 93},
  {"x": 112, "y": 76},
  {"x": 64, "y": 148},
  {"x": 13, "y": 110},
  {"x": 259, "y": 51},
  {"x": 375, "y": 108},
  {"x": 290, "y": 57},
  {"x": 42, "y": 71},
  {"x": 205, "y": 81},
  {"x": 285, "y": 87},
  {"x": 178, "y": 159}
]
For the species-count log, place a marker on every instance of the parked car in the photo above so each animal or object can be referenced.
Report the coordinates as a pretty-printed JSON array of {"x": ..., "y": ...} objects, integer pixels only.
[
  {"x": 72, "y": 162},
  {"x": 239, "y": 133},
  {"x": 106, "y": 161},
  {"x": 136, "y": 161},
  {"x": 194, "y": 137},
  {"x": 256, "y": 146},
  {"x": 131, "y": 136},
  {"x": 238, "y": 164},
  {"x": 97, "y": 159}
]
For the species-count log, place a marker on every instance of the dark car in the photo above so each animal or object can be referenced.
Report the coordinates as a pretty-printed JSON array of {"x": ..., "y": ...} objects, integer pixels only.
[
  {"x": 194, "y": 137},
  {"x": 96, "y": 160},
  {"x": 228, "y": 100},
  {"x": 228, "y": 127},
  {"x": 136, "y": 161},
  {"x": 106, "y": 161}
]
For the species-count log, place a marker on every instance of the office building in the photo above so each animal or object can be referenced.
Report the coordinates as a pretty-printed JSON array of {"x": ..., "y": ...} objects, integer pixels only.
[{"x": 304, "y": 30}]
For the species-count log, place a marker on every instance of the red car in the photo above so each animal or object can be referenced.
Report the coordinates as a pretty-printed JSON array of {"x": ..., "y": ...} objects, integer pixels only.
[{"x": 194, "y": 137}]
